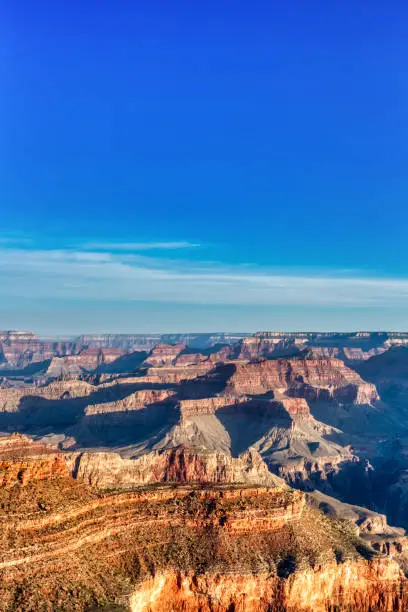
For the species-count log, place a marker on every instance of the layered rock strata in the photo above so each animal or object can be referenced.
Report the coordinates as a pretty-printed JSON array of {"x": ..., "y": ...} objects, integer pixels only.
[
  {"x": 257, "y": 549},
  {"x": 179, "y": 464},
  {"x": 87, "y": 360},
  {"x": 23, "y": 348},
  {"x": 134, "y": 401},
  {"x": 315, "y": 379},
  {"x": 10, "y": 399},
  {"x": 164, "y": 354},
  {"x": 22, "y": 461}
]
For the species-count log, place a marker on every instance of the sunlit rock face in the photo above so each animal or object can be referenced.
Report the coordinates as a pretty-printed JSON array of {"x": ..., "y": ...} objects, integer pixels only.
[
  {"x": 313, "y": 379},
  {"x": 177, "y": 547},
  {"x": 87, "y": 360},
  {"x": 164, "y": 354},
  {"x": 183, "y": 478},
  {"x": 178, "y": 465},
  {"x": 351, "y": 586},
  {"x": 23, "y": 462}
]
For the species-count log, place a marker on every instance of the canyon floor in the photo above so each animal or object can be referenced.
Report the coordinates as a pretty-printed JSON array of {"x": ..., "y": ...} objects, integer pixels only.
[{"x": 204, "y": 472}]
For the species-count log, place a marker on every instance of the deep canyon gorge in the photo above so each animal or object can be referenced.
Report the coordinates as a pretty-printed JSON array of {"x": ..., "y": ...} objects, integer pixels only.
[{"x": 204, "y": 472}]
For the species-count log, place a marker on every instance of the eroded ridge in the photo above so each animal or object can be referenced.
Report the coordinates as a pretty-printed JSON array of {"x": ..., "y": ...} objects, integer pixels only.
[{"x": 68, "y": 546}]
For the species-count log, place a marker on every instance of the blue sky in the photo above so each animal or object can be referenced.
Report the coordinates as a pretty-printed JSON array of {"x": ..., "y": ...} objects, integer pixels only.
[{"x": 203, "y": 166}]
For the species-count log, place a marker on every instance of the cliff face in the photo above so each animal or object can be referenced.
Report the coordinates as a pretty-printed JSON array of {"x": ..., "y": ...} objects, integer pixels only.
[
  {"x": 313, "y": 379},
  {"x": 210, "y": 547},
  {"x": 177, "y": 374},
  {"x": 352, "y": 586},
  {"x": 191, "y": 548},
  {"x": 22, "y": 462},
  {"x": 87, "y": 360},
  {"x": 254, "y": 348},
  {"x": 348, "y": 354},
  {"x": 199, "y": 450},
  {"x": 23, "y": 348},
  {"x": 134, "y": 401},
  {"x": 110, "y": 470},
  {"x": 164, "y": 354},
  {"x": 10, "y": 399}
]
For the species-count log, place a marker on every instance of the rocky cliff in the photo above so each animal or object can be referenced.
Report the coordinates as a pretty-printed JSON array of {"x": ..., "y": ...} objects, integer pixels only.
[
  {"x": 361, "y": 587},
  {"x": 23, "y": 348},
  {"x": 255, "y": 348},
  {"x": 65, "y": 546},
  {"x": 11, "y": 399},
  {"x": 87, "y": 360},
  {"x": 134, "y": 401},
  {"x": 22, "y": 462},
  {"x": 164, "y": 354},
  {"x": 178, "y": 464},
  {"x": 313, "y": 379},
  {"x": 227, "y": 421}
]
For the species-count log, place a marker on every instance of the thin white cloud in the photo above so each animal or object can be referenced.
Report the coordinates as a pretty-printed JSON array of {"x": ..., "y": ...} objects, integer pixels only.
[
  {"x": 15, "y": 240},
  {"x": 138, "y": 246},
  {"x": 96, "y": 275}
]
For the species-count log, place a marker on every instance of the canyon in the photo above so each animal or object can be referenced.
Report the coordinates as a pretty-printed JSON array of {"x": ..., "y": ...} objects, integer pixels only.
[{"x": 217, "y": 472}]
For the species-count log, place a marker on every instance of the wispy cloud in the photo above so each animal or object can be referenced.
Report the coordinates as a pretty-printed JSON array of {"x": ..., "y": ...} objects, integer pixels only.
[
  {"x": 138, "y": 246},
  {"x": 15, "y": 241},
  {"x": 123, "y": 276}
]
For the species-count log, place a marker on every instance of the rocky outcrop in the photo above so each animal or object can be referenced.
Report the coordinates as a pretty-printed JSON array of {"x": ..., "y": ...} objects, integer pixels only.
[
  {"x": 209, "y": 405},
  {"x": 177, "y": 374},
  {"x": 312, "y": 379},
  {"x": 356, "y": 355},
  {"x": 181, "y": 465},
  {"x": 10, "y": 399},
  {"x": 134, "y": 401},
  {"x": 164, "y": 354},
  {"x": 22, "y": 461},
  {"x": 189, "y": 359},
  {"x": 363, "y": 586},
  {"x": 204, "y": 547},
  {"x": 310, "y": 473},
  {"x": 350, "y": 355},
  {"x": 297, "y": 407},
  {"x": 124, "y": 342},
  {"x": 87, "y": 360},
  {"x": 68, "y": 367},
  {"x": 255, "y": 348},
  {"x": 23, "y": 348}
]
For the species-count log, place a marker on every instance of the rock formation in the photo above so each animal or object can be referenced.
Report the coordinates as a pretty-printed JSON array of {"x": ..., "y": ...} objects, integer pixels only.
[
  {"x": 313, "y": 379},
  {"x": 164, "y": 354},
  {"x": 10, "y": 399},
  {"x": 188, "y": 547},
  {"x": 23, "y": 348},
  {"x": 110, "y": 470},
  {"x": 87, "y": 360},
  {"x": 188, "y": 454},
  {"x": 22, "y": 461}
]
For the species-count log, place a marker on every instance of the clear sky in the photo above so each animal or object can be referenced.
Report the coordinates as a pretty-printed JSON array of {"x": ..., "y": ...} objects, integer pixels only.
[{"x": 174, "y": 166}]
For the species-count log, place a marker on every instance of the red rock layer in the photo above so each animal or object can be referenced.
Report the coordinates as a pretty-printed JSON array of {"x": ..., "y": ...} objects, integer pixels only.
[
  {"x": 315, "y": 378},
  {"x": 87, "y": 359},
  {"x": 164, "y": 354},
  {"x": 182, "y": 465},
  {"x": 197, "y": 549},
  {"x": 22, "y": 461},
  {"x": 351, "y": 587}
]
